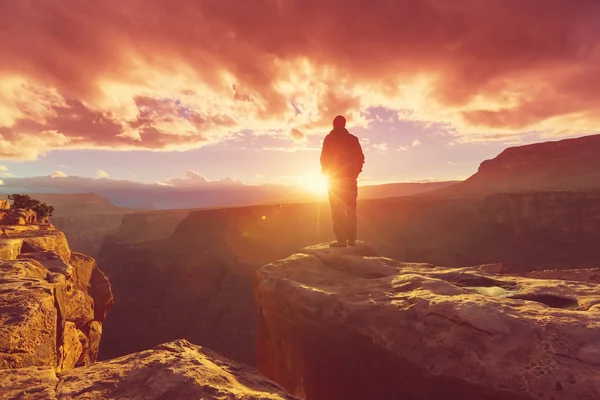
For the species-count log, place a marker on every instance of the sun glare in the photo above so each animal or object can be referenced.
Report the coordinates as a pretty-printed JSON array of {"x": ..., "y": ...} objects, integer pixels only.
[{"x": 315, "y": 183}]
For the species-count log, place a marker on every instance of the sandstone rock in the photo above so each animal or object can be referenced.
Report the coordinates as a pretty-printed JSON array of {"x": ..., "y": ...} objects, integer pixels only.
[
  {"x": 79, "y": 308},
  {"x": 4, "y": 204},
  {"x": 33, "y": 383},
  {"x": 50, "y": 310},
  {"x": 19, "y": 217},
  {"x": 177, "y": 370},
  {"x": 51, "y": 260},
  {"x": 28, "y": 316},
  {"x": 71, "y": 349},
  {"x": 10, "y": 248},
  {"x": 356, "y": 327}
]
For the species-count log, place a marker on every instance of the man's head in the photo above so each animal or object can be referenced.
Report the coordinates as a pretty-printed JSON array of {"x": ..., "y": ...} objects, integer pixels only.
[{"x": 339, "y": 122}]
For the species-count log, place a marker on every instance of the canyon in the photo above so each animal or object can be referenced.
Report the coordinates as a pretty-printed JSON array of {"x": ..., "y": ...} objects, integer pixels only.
[
  {"x": 486, "y": 288},
  {"x": 53, "y": 303}
]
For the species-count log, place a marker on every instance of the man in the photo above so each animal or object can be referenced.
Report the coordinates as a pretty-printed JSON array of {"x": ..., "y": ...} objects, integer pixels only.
[{"x": 342, "y": 160}]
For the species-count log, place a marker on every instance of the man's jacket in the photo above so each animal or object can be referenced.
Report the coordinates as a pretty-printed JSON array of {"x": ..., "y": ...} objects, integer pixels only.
[{"x": 341, "y": 156}]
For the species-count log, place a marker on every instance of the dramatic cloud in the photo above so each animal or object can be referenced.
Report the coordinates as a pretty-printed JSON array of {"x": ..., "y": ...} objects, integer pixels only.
[
  {"x": 416, "y": 143},
  {"x": 153, "y": 74}
]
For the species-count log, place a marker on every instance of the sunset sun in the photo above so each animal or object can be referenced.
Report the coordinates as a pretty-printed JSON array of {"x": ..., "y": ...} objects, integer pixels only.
[{"x": 315, "y": 183}]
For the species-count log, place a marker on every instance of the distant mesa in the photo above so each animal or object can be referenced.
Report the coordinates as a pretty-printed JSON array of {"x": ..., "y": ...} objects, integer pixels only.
[{"x": 570, "y": 164}]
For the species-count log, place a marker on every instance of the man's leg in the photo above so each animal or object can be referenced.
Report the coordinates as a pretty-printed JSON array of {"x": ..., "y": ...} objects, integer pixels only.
[
  {"x": 338, "y": 212},
  {"x": 350, "y": 195}
]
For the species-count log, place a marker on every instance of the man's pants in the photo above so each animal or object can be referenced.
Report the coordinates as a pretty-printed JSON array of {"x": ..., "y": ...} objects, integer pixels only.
[{"x": 342, "y": 198}]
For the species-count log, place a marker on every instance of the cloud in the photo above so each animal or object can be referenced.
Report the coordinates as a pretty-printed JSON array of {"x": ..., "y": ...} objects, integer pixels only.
[
  {"x": 102, "y": 174},
  {"x": 416, "y": 143},
  {"x": 381, "y": 146},
  {"x": 145, "y": 75},
  {"x": 297, "y": 135},
  {"x": 4, "y": 172},
  {"x": 402, "y": 148},
  {"x": 194, "y": 179},
  {"x": 58, "y": 174}
]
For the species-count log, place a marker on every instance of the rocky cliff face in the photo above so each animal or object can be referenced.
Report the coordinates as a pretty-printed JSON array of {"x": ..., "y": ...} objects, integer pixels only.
[
  {"x": 561, "y": 165},
  {"x": 562, "y": 213},
  {"x": 177, "y": 370},
  {"x": 149, "y": 226},
  {"x": 53, "y": 302},
  {"x": 86, "y": 232},
  {"x": 341, "y": 324}
]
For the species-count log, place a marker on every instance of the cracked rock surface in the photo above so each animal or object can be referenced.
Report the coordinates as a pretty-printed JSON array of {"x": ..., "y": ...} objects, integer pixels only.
[{"x": 344, "y": 324}]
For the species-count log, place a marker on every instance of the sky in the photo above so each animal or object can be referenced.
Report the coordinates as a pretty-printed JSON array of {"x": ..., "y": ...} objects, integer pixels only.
[{"x": 180, "y": 93}]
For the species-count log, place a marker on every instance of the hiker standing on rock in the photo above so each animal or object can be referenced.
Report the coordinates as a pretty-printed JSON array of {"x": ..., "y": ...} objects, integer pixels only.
[{"x": 342, "y": 161}]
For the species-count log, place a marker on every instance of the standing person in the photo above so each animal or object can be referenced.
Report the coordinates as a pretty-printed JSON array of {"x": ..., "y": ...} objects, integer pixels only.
[{"x": 342, "y": 161}]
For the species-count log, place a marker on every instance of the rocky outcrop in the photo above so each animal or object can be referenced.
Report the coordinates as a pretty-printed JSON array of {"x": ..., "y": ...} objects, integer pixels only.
[
  {"x": 177, "y": 370},
  {"x": 340, "y": 324},
  {"x": 52, "y": 301},
  {"x": 18, "y": 217}
]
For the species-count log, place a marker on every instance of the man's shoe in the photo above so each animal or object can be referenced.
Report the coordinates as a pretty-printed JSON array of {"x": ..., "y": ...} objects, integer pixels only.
[
  {"x": 352, "y": 243},
  {"x": 337, "y": 244}
]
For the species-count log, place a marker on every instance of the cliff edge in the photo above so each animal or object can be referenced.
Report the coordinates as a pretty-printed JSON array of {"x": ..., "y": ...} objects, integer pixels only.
[
  {"x": 343, "y": 324},
  {"x": 52, "y": 301}
]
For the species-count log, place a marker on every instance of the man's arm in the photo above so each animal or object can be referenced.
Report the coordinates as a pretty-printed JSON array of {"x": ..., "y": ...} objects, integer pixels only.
[
  {"x": 325, "y": 156},
  {"x": 360, "y": 157}
]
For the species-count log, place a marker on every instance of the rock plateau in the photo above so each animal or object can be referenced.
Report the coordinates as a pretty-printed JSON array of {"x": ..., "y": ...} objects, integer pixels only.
[{"x": 343, "y": 324}]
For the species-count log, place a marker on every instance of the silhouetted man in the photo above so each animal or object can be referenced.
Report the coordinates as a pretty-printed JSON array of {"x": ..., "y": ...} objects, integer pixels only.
[{"x": 342, "y": 160}]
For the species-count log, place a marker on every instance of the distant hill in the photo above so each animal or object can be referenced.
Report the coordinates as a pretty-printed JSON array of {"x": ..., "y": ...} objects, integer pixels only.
[
  {"x": 78, "y": 203},
  {"x": 570, "y": 164}
]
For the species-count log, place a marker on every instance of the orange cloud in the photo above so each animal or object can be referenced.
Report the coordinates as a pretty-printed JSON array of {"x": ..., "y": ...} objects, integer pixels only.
[{"x": 155, "y": 75}]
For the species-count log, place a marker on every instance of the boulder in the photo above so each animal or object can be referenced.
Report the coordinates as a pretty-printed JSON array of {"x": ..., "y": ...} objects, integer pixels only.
[
  {"x": 17, "y": 216},
  {"x": 4, "y": 205},
  {"x": 176, "y": 370},
  {"x": 342, "y": 324}
]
